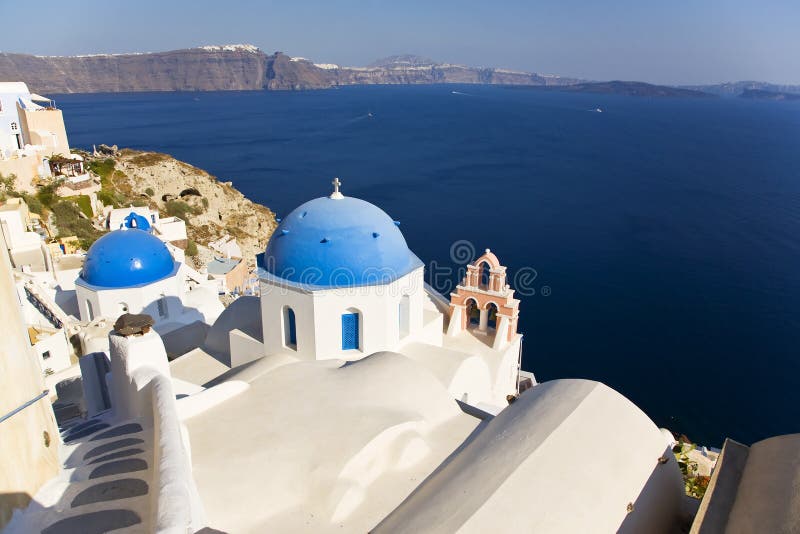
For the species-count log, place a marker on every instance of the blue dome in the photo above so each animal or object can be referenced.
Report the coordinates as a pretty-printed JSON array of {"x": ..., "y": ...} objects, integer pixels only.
[
  {"x": 134, "y": 220},
  {"x": 126, "y": 258},
  {"x": 337, "y": 243}
]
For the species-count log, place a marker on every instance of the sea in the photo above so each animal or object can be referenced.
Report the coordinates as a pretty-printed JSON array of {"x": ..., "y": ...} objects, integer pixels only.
[{"x": 654, "y": 243}]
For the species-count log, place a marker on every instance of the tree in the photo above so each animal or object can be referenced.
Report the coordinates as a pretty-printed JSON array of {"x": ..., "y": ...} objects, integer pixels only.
[{"x": 7, "y": 186}]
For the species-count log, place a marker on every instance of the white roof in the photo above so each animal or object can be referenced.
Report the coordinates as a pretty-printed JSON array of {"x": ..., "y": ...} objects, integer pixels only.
[
  {"x": 320, "y": 446},
  {"x": 567, "y": 456},
  {"x": 40, "y": 98},
  {"x": 14, "y": 87}
]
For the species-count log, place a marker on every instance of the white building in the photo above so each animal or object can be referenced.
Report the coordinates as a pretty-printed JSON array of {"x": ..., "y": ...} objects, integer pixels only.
[
  {"x": 341, "y": 283},
  {"x": 26, "y": 248},
  {"x": 132, "y": 271},
  {"x": 168, "y": 229},
  {"x": 33, "y": 139},
  {"x": 341, "y": 401}
]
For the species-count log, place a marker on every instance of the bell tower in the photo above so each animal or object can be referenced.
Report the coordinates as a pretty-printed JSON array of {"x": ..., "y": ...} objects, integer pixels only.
[{"x": 484, "y": 303}]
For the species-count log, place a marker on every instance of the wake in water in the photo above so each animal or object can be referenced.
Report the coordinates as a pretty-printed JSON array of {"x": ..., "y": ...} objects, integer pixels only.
[
  {"x": 333, "y": 127},
  {"x": 460, "y": 93},
  {"x": 369, "y": 115}
]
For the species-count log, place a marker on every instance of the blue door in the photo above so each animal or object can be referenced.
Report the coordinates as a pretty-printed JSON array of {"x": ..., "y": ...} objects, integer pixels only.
[{"x": 349, "y": 331}]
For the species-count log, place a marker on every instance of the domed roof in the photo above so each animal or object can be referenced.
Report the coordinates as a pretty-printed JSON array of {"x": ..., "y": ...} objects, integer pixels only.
[
  {"x": 338, "y": 242},
  {"x": 134, "y": 220},
  {"x": 126, "y": 258}
]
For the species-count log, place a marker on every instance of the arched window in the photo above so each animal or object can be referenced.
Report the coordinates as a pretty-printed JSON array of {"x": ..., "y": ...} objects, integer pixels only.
[
  {"x": 351, "y": 335},
  {"x": 404, "y": 315},
  {"x": 89, "y": 310},
  {"x": 472, "y": 312},
  {"x": 289, "y": 328},
  {"x": 163, "y": 310},
  {"x": 485, "y": 275},
  {"x": 491, "y": 309}
]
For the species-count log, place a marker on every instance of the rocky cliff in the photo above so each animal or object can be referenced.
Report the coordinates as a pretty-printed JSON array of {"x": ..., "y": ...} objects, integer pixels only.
[
  {"x": 212, "y": 68},
  {"x": 441, "y": 73},
  {"x": 236, "y": 68},
  {"x": 211, "y": 209}
]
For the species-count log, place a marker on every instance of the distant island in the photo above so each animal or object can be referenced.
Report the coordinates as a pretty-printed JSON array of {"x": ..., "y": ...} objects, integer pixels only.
[
  {"x": 760, "y": 94},
  {"x": 245, "y": 67},
  {"x": 739, "y": 88},
  {"x": 634, "y": 89}
]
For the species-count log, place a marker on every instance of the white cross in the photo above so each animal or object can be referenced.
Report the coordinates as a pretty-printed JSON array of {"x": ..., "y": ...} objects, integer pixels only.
[{"x": 336, "y": 195}]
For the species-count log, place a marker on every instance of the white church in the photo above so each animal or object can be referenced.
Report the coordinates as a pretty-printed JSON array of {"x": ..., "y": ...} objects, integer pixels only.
[
  {"x": 348, "y": 397},
  {"x": 341, "y": 283}
]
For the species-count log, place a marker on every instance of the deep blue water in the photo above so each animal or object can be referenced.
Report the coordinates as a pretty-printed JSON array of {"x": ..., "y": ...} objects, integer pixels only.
[{"x": 667, "y": 230}]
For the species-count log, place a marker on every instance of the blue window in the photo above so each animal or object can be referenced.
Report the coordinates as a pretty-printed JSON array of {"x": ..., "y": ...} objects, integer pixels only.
[
  {"x": 350, "y": 331},
  {"x": 290, "y": 328}
]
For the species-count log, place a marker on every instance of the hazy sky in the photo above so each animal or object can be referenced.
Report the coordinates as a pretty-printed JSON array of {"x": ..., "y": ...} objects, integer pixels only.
[{"x": 668, "y": 41}]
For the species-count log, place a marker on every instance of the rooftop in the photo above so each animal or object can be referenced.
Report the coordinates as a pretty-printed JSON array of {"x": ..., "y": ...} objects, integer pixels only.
[
  {"x": 338, "y": 241},
  {"x": 222, "y": 265}
]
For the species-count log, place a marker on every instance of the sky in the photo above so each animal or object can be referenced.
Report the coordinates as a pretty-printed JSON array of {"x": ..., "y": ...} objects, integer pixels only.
[{"x": 669, "y": 42}]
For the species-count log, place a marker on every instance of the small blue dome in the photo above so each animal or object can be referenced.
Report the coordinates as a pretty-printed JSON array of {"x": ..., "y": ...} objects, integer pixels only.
[
  {"x": 134, "y": 220},
  {"x": 127, "y": 258},
  {"x": 338, "y": 243}
]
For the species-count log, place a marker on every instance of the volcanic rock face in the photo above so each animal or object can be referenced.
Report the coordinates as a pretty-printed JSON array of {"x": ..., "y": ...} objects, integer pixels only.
[
  {"x": 215, "y": 209},
  {"x": 284, "y": 72},
  {"x": 229, "y": 68},
  {"x": 235, "y": 68}
]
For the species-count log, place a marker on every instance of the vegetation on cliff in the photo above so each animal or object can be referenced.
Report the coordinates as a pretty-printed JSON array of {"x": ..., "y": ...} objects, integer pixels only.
[{"x": 210, "y": 208}]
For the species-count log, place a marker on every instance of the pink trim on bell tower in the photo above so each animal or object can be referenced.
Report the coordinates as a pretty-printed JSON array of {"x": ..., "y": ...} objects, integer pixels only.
[{"x": 484, "y": 286}]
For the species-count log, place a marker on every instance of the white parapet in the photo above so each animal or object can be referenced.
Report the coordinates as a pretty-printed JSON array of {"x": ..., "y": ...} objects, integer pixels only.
[{"x": 135, "y": 360}]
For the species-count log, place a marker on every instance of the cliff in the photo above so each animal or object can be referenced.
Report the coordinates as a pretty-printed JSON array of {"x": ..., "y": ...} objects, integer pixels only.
[
  {"x": 213, "y": 68},
  {"x": 211, "y": 209},
  {"x": 442, "y": 73},
  {"x": 236, "y": 68}
]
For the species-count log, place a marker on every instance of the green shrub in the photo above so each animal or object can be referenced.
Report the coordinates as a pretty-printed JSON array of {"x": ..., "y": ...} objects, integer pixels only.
[
  {"x": 47, "y": 195},
  {"x": 33, "y": 203},
  {"x": 7, "y": 186},
  {"x": 149, "y": 192},
  {"x": 102, "y": 168},
  {"x": 178, "y": 208},
  {"x": 69, "y": 222},
  {"x": 148, "y": 159},
  {"x": 84, "y": 203},
  {"x": 106, "y": 197},
  {"x": 191, "y": 248}
]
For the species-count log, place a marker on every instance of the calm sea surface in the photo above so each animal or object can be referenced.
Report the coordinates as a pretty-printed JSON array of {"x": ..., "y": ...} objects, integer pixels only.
[{"x": 666, "y": 231}]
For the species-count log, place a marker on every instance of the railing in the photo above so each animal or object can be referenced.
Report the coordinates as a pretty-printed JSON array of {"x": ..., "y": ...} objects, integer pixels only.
[
  {"x": 43, "y": 308},
  {"x": 23, "y": 406}
]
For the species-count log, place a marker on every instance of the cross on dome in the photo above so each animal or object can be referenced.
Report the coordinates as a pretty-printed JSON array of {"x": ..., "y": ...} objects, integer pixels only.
[{"x": 336, "y": 195}]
